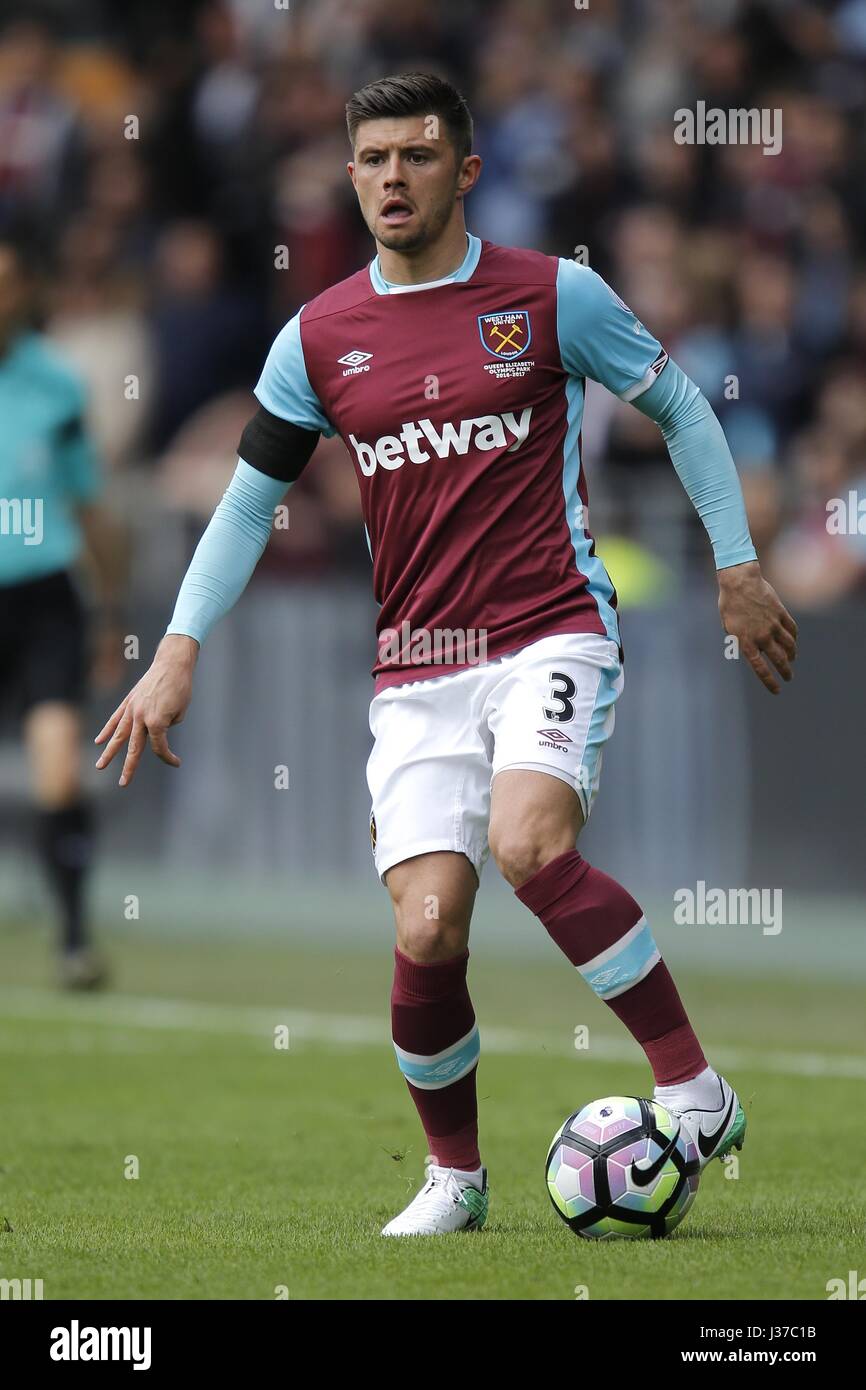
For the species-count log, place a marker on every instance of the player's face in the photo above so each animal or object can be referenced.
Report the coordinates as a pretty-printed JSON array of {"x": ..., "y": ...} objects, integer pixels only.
[{"x": 408, "y": 179}]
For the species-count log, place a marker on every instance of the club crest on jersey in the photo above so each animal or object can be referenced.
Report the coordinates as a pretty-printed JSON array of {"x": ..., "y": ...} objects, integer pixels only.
[{"x": 506, "y": 335}]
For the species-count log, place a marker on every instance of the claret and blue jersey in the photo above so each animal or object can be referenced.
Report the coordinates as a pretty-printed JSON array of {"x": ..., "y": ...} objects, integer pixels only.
[{"x": 460, "y": 403}]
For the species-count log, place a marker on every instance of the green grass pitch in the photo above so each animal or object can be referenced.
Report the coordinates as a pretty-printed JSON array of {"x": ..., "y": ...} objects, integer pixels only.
[{"x": 267, "y": 1172}]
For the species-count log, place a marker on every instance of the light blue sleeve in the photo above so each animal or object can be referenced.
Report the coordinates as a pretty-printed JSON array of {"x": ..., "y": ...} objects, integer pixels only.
[
  {"x": 700, "y": 454},
  {"x": 284, "y": 387},
  {"x": 600, "y": 337},
  {"x": 228, "y": 552}
]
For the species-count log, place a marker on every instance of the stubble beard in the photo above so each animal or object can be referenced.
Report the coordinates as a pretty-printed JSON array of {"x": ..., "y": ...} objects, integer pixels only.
[{"x": 394, "y": 239}]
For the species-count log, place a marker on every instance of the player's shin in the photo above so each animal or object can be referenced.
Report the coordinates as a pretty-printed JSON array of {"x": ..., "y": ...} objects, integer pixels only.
[
  {"x": 437, "y": 1046},
  {"x": 603, "y": 932}
]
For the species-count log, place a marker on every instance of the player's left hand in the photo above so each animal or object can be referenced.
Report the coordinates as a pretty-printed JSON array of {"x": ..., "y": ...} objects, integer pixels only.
[{"x": 752, "y": 611}]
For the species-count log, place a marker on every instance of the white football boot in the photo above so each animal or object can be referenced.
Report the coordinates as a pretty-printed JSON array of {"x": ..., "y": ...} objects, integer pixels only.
[
  {"x": 717, "y": 1124},
  {"x": 445, "y": 1203}
]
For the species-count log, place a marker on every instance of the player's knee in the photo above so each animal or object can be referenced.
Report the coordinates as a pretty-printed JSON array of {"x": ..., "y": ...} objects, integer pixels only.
[
  {"x": 432, "y": 897},
  {"x": 429, "y": 925},
  {"x": 519, "y": 853},
  {"x": 426, "y": 941}
]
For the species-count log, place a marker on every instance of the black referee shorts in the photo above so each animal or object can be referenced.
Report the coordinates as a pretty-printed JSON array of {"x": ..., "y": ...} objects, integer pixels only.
[{"x": 43, "y": 643}]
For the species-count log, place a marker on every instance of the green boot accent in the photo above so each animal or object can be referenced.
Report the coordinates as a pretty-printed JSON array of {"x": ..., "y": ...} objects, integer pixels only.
[
  {"x": 737, "y": 1134},
  {"x": 476, "y": 1204}
]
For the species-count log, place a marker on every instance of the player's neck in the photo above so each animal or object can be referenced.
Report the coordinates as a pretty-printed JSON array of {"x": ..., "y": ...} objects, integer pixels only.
[{"x": 427, "y": 263}]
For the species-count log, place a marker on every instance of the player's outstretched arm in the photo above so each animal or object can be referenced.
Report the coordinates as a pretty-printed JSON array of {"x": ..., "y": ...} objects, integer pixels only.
[
  {"x": 750, "y": 608},
  {"x": 159, "y": 700},
  {"x": 600, "y": 337},
  {"x": 220, "y": 570}
]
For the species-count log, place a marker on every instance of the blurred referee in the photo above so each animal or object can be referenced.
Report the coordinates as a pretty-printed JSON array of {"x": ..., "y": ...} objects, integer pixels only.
[{"x": 49, "y": 520}]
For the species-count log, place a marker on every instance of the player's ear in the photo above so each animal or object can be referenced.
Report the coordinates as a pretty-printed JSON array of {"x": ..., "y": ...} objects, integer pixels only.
[
  {"x": 350, "y": 170},
  {"x": 470, "y": 172}
]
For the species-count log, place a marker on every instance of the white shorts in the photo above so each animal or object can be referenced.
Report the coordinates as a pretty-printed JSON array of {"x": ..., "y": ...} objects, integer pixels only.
[{"x": 440, "y": 742}]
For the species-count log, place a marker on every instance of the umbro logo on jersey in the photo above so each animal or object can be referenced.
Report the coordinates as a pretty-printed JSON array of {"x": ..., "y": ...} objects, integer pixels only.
[
  {"x": 354, "y": 362},
  {"x": 506, "y": 431}
]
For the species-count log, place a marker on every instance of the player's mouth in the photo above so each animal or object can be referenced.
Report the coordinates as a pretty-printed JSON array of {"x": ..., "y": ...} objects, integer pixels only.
[{"x": 395, "y": 211}]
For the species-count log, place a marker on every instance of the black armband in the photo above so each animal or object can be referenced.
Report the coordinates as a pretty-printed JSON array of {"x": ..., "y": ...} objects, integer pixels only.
[{"x": 276, "y": 447}]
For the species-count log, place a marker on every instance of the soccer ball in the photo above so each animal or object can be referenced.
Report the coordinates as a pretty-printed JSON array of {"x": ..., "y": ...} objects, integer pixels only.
[{"x": 622, "y": 1166}]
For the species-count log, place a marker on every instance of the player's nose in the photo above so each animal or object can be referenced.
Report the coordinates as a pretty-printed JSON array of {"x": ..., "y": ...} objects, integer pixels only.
[{"x": 394, "y": 175}]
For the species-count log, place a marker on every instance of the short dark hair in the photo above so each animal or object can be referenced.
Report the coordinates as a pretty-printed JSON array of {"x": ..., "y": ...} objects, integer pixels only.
[{"x": 413, "y": 94}]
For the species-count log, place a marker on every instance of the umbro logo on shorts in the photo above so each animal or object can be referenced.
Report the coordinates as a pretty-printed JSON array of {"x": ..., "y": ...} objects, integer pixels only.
[{"x": 555, "y": 738}]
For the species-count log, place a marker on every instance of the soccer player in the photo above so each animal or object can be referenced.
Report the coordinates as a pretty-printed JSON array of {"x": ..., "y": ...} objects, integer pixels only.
[
  {"x": 49, "y": 485},
  {"x": 454, "y": 371}
]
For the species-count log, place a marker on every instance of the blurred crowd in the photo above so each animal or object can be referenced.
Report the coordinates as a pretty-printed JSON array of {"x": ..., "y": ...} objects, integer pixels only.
[{"x": 154, "y": 155}]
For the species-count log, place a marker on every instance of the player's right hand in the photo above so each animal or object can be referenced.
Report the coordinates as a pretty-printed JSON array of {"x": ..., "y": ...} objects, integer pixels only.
[{"x": 160, "y": 699}]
